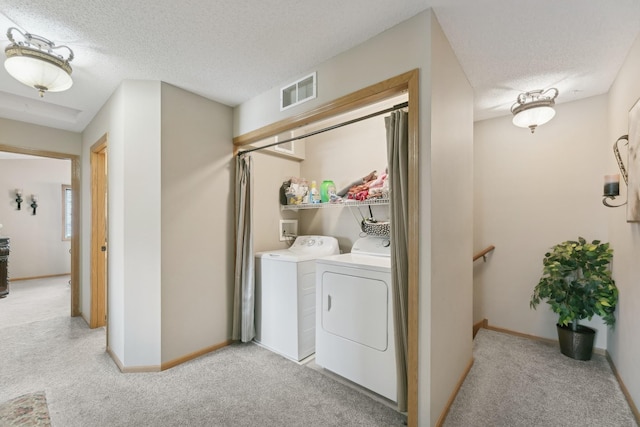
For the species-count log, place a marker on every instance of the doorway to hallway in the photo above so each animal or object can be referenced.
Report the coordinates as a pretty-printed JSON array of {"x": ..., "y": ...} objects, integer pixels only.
[{"x": 74, "y": 205}]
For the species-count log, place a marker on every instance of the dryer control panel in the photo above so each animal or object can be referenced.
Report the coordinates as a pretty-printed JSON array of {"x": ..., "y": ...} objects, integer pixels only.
[{"x": 371, "y": 245}]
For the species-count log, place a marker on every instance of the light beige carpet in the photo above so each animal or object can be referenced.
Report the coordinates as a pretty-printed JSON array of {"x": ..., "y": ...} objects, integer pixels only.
[
  {"x": 26, "y": 410},
  {"x": 520, "y": 382}
]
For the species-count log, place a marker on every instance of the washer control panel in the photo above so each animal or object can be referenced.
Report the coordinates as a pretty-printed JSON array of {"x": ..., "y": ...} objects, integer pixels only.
[{"x": 314, "y": 244}]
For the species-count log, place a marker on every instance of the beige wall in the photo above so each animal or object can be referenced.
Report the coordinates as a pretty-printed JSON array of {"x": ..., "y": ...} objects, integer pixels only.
[
  {"x": 408, "y": 46},
  {"x": 624, "y": 347},
  {"x": 161, "y": 272},
  {"x": 197, "y": 223},
  {"x": 131, "y": 118},
  {"x": 446, "y": 312},
  {"x": 170, "y": 221},
  {"x": 26, "y": 135},
  {"x": 37, "y": 248},
  {"x": 533, "y": 191},
  {"x": 269, "y": 172}
]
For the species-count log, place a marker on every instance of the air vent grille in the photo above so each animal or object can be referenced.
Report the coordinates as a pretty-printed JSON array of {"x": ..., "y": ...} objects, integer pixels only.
[{"x": 298, "y": 92}]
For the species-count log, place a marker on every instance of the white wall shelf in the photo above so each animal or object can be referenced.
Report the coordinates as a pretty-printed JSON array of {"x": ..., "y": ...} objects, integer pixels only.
[{"x": 343, "y": 204}]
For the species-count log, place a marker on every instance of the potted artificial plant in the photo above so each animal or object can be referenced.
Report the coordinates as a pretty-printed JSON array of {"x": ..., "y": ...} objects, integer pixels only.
[{"x": 577, "y": 284}]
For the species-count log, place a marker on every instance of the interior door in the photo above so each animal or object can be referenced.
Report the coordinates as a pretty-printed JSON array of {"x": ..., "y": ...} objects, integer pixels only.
[{"x": 99, "y": 234}]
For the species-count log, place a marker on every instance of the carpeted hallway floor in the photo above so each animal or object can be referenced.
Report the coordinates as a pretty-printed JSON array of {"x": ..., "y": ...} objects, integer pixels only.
[
  {"x": 517, "y": 382},
  {"x": 239, "y": 385},
  {"x": 513, "y": 382}
]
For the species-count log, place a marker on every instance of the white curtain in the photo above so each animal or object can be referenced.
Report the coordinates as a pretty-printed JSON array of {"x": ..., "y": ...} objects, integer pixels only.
[
  {"x": 397, "y": 156},
  {"x": 244, "y": 293}
]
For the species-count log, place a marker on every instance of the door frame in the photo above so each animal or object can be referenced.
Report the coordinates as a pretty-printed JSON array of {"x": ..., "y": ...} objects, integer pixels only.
[
  {"x": 75, "y": 215},
  {"x": 404, "y": 83},
  {"x": 99, "y": 232}
]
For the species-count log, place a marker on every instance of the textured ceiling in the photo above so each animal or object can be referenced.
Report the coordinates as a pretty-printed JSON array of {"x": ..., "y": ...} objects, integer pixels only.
[
  {"x": 507, "y": 47},
  {"x": 232, "y": 50}
]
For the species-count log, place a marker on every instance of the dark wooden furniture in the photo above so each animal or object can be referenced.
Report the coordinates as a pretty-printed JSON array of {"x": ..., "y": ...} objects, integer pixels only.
[{"x": 4, "y": 261}]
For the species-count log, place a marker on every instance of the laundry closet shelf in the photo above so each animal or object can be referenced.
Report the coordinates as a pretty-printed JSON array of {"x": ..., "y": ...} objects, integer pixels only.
[{"x": 346, "y": 203}]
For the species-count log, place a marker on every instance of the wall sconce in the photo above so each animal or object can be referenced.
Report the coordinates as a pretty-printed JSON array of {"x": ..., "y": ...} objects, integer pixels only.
[
  {"x": 534, "y": 108},
  {"x": 34, "y": 203},
  {"x": 611, "y": 190},
  {"x": 612, "y": 182},
  {"x": 19, "y": 197}
]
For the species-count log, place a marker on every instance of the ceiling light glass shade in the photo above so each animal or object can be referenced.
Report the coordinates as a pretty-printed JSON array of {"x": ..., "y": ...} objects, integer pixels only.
[
  {"x": 534, "y": 116},
  {"x": 33, "y": 63},
  {"x": 533, "y": 109},
  {"x": 38, "y": 73}
]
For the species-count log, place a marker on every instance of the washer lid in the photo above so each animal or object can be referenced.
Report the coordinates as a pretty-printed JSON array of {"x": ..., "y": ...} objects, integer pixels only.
[{"x": 370, "y": 245}]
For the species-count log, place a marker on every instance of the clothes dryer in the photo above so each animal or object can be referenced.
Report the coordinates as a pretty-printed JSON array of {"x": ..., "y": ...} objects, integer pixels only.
[
  {"x": 354, "y": 316},
  {"x": 285, "y": 289}
]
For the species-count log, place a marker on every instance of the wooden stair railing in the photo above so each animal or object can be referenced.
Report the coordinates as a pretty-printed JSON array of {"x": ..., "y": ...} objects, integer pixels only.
[{"x": 483, "y": 253}]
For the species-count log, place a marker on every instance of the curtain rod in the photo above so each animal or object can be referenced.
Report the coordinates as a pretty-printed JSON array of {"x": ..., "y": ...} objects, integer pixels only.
[{"x": 336, "y": 126}]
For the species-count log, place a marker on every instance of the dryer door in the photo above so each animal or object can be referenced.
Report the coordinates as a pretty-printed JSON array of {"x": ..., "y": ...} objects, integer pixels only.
[{"x": 356, "y": 308}]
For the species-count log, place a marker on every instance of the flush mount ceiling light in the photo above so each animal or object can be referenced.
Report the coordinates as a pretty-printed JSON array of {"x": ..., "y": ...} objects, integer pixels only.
[
  {"x": 32, "y": 61},
  {"x": 534, "y": 108}
]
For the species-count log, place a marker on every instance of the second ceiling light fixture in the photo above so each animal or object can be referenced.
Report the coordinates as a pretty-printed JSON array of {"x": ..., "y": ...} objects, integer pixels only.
[{"x": 534, "y": 108}]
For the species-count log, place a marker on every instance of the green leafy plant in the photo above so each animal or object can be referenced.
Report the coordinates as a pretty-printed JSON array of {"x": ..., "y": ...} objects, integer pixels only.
[{"x": 577, "y": 282}]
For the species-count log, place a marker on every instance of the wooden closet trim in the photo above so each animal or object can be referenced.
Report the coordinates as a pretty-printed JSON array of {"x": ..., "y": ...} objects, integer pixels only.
[{"x": 407, "y": 82}]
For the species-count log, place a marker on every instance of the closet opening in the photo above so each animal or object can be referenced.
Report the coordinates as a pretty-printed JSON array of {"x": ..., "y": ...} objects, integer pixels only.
[{"x": 294, "y": 128}]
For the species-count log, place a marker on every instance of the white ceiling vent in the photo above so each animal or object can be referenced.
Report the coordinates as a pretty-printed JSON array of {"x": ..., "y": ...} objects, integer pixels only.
[{"x": 298, "y": 92}]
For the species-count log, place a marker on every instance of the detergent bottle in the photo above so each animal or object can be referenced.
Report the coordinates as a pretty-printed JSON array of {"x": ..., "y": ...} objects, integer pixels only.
[
  {"x": 313, "y": 193},
  {"x": 327, "y": 188}
]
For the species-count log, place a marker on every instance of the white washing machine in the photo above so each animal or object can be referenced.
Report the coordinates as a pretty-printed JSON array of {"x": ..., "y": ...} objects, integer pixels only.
[
  {"x": 354, "y": 318},
  {"x": 285, "y": 309}
]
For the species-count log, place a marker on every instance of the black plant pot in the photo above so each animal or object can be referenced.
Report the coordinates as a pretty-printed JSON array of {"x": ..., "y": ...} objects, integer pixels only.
[{"x": 576, "y": 344}]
